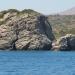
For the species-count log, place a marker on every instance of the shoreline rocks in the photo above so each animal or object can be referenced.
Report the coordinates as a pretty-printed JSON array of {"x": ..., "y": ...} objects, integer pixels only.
[
  {"x": 30, "y": 30},
  {"x": 26, "y": 32},
  {"x": 65, "y": 43}
]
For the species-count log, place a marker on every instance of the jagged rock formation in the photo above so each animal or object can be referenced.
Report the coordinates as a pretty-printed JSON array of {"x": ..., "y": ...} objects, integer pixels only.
[
  {"x": 25, "y": 31},
  {"x": 66, "y": 43}
]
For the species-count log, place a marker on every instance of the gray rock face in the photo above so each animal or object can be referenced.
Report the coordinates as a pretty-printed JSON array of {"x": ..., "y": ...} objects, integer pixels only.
[
  {"x": 67, "y": 43},
  {"x": 26, "y": 32}
]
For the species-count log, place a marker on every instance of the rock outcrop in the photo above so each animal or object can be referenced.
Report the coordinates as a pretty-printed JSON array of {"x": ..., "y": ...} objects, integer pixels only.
[
  {"x": 65, "y": 43},
  {"x": 25, "y": 31}
]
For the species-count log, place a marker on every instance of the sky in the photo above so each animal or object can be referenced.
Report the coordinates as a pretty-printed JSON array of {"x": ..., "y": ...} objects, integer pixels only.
[{"x": 42, "y": 6}]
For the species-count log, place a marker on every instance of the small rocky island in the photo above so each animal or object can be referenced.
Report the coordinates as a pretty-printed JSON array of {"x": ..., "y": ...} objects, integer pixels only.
[{"x": 30, "y": 30}]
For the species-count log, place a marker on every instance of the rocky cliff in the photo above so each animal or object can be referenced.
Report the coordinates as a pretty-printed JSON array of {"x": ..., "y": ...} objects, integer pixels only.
[{"x": 24, "y": 30}]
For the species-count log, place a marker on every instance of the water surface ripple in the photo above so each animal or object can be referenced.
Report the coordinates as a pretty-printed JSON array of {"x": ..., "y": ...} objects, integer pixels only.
[{"x": 37, "y": 63}]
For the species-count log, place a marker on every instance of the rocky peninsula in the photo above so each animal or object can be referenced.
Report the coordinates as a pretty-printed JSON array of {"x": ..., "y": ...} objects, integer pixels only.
[{"x": 30, "y": 30}]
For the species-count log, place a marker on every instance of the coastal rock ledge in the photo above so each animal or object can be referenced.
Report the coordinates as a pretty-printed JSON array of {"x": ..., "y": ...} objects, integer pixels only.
[
  {"x": 25, "y": 31},
  {"x": 65, "y": 43}
]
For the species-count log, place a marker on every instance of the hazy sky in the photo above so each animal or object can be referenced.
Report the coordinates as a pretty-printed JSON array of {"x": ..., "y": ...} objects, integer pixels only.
[{"x": 43, "y": 6}]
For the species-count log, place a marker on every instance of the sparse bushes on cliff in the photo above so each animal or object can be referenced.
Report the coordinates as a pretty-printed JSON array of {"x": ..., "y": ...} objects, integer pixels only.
[{"x": 62, "y": 24}]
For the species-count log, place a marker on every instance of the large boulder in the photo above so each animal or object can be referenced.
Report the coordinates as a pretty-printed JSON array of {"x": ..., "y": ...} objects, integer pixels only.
[
  {"x": 26, "y": 32},
  {"x": 66, "y": 43}
]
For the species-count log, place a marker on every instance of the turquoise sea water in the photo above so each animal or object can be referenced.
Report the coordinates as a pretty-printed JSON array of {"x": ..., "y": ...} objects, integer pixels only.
[{"x": 37, "y": 63}]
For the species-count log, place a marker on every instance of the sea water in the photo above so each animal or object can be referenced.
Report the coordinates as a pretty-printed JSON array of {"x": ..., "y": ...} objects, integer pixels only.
[{"x": 37, "y": 63}]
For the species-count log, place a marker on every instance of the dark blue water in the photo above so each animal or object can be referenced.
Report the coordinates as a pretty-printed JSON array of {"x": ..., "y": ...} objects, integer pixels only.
[{"x": 37, "y": 63}]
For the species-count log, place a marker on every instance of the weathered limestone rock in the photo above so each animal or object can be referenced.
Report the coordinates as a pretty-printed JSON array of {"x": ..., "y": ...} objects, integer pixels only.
[
  {"x": 26, "y": 32},
  {"x": 66, "y": 43}
]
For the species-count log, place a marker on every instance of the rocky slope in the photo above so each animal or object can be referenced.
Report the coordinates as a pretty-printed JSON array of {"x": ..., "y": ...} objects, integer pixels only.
[
  {"x": 24, "y": 30},
  {"x": 62, "y": 24}
]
